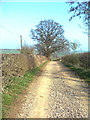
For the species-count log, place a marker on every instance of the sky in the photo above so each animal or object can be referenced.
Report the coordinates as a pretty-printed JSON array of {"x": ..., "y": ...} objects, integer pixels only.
[{"x": 18, "y": 18}]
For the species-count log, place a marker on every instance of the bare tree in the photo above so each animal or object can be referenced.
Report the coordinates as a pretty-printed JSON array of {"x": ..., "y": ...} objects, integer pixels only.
[
  {"x": 74, "y": 46},
  {"x": 80, "y": 9},
  {"x": 49, "y": 36}
]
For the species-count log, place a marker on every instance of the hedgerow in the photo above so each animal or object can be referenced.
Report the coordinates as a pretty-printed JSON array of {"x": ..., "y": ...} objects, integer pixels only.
[{"x": 81, "y": 60}]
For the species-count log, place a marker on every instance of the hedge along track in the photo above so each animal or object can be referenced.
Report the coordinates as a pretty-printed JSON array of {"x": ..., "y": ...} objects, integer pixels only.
[{"x": 55, "y": 93}]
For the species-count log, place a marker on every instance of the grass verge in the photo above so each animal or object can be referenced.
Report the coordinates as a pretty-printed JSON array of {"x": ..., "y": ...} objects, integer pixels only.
[
  {"x": 12, "y": 90},
  {"x": 82, "y": 73}
]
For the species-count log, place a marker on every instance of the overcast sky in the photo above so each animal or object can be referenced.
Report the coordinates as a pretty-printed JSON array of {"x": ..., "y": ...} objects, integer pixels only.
[{"x": 17, "y": 18}]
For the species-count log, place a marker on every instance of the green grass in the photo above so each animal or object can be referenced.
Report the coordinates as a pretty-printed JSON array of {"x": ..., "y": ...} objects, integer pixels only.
[
  {"x": 12, "y": 90},
  {"x": 82, "y": 73}
]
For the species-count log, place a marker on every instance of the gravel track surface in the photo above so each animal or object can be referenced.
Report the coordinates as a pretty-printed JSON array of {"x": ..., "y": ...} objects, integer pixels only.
[{"x": 56, "y": 93}]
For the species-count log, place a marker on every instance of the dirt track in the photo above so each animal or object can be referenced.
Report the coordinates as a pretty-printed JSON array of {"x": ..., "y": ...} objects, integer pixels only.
[{"x": 56, "y": 93}]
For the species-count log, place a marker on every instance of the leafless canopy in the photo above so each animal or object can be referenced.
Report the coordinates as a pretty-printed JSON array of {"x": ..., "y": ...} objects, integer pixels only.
[
  {"x": 80, "y": 9},
  {"x": 49, "y": 36}
]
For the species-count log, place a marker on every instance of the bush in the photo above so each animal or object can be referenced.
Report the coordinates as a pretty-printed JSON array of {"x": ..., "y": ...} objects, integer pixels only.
[
  {"x": 79, "y": 60},
  {"x": 84, "y": 60},
  {"x": 27, "y": 50},
  {"x": 71, "y": 59},
  {"x": 15, "y": 65}
]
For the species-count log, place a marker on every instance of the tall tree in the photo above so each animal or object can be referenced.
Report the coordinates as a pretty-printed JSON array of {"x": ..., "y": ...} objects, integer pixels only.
[
  {"x": 80, "y": 9},
  {"x": 50, "y": 37}
]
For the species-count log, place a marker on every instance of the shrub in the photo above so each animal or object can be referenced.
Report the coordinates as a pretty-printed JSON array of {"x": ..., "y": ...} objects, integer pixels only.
[
  {"x": 15, "y": 65},
  {"x": 79, "y": 60},
  {"x": 27, "y": 49},
  {"x": 71, "y": 59},
  {"x": 84, "y": 60}
]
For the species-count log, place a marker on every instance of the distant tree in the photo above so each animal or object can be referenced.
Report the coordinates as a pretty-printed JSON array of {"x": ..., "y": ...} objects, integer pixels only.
[
  {"x": 50, "y": 37},
  {"x": 74, "y": 46},
  {"x": 80, "y": 9}
]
